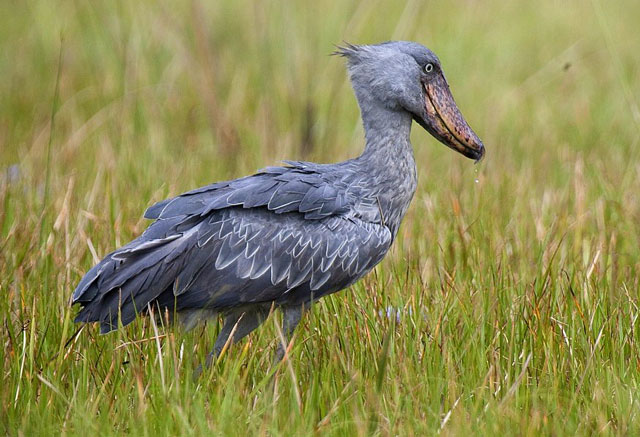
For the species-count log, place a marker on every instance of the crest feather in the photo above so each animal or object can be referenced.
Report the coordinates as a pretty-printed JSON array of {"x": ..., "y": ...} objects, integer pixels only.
[{"x": 347, "y": 50}]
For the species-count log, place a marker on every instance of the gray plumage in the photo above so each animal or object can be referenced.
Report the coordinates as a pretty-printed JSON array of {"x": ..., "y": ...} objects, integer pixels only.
[{"x": 285, "y": 235}]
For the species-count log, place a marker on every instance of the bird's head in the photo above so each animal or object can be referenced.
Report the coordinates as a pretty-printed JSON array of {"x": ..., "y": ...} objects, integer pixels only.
[{"x": 406, "y": 76}]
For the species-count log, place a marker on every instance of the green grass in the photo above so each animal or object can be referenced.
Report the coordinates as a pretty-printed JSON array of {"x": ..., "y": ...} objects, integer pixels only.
[{"x": 518, "y": 294}]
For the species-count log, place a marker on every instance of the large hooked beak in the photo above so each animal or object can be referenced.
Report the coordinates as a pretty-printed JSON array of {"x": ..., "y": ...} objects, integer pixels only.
[{"x": 444, "y": 121}]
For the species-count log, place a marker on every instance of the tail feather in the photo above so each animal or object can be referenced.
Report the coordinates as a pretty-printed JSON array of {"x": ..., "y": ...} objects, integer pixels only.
[
  {"x": 126, "y": 300},
  {"x": 126, "y": 281}
]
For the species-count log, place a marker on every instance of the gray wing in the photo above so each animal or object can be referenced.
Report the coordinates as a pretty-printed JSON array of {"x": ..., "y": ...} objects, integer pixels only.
[
  {"x": 202, "y": 254},
  {"x": 300, "y": 187}
]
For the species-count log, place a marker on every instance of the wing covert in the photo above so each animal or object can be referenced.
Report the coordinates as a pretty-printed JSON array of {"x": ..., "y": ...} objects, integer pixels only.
[{"x": 298, "y": 187}]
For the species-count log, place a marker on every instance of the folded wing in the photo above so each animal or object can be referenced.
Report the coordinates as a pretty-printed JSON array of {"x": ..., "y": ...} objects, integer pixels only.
[{"x": 284, "y": 235}]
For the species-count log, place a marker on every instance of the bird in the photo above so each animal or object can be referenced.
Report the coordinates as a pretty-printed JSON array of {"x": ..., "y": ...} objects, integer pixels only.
[{"x": 287, "y": 235}]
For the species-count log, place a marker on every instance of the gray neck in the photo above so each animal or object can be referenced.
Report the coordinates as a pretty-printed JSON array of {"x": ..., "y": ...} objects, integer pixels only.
[
  {"x": 386, "y": 130},
  {"x": 388, "y": 160}
]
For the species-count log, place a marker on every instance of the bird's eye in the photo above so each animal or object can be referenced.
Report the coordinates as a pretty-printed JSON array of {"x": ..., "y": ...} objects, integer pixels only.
[{"x": 428, "y": 68}]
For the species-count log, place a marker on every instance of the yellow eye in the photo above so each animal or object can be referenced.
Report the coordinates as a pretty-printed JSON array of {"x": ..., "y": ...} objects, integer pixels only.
[{"x": 428, "y": 68}]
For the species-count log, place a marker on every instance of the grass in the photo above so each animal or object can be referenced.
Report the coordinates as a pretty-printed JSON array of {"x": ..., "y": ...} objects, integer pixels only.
[{"x": 507, "y": 305}]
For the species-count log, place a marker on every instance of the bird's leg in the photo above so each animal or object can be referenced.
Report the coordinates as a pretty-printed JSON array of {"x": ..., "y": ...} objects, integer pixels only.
[
  {"x": 237, "y": 325},
  {"x": 290, "y": 319}
]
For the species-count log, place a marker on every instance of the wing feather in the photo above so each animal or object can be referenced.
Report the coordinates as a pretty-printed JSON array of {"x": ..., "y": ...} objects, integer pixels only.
[
  {"x": 221, "y": 261},
  {"x": 301, "y": 187}
]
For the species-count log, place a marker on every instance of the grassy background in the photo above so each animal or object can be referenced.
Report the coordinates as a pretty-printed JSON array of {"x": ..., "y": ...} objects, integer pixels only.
[{"x": 507, "y": 305}]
